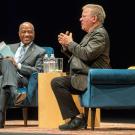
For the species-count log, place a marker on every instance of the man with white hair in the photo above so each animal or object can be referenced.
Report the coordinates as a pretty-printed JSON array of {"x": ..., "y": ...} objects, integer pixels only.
[{"x": 91, "y": 52}]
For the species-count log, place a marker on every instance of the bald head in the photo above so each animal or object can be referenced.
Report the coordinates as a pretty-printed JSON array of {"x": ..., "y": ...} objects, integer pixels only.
[
  {"x": 26, "y": 24},
  {"x": 26, "y": 33}
]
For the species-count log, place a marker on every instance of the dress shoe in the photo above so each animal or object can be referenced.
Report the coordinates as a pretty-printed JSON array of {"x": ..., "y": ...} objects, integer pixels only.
[
  {"x": 20, "y": 97},
  {"x": 74, "y": 124}
]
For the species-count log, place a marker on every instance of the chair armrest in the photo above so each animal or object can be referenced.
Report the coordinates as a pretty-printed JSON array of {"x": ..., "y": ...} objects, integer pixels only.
[{"x": 111, "y": 76}]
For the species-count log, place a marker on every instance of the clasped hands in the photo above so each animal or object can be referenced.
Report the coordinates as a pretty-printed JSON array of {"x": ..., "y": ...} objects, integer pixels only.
[{"x": 65, "y": 38}]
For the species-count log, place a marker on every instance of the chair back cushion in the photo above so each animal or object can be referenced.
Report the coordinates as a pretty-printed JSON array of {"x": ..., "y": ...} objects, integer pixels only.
[{"x": 49, "y": 50}]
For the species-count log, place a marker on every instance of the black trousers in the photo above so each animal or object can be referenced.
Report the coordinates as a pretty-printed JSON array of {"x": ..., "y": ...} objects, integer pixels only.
[{"x": 63, "y": 91}]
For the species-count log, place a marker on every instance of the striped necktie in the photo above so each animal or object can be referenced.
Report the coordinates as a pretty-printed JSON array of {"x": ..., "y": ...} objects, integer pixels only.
[{"x": 22, "y": 52}]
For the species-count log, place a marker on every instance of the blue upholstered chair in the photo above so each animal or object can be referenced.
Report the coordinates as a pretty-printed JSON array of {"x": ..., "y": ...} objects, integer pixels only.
[
  {"x": 109, "y": 88},
  {"x": 49, "y": 50},
  {"x": 31, "y": 90}
]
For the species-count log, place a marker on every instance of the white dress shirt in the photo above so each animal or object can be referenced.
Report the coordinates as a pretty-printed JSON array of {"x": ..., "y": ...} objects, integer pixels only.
[{"x": 18, "y": 54}]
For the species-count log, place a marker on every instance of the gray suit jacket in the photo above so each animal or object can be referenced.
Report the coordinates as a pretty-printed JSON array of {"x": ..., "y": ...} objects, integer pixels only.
[
  {"x": 32, "y": 61},
  {"x": 92, "y": 52}
]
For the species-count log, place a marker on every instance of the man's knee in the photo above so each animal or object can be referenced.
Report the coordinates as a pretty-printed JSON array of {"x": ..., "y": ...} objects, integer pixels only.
[
  {"x": 6, "y": 61},
  {"x": 54, "y": 82},
  {"x": 57, "y": 82}
]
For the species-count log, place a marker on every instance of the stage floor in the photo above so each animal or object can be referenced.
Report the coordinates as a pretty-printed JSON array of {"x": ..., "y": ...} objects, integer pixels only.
[{"x": 107, "y": 128}]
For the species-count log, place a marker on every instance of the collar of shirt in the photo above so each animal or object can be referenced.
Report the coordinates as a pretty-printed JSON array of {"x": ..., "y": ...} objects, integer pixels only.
[
  {"x": 26, "y": 48},
  {"x": 94, "y": 28},
  {"x": 17, "y": 54}
]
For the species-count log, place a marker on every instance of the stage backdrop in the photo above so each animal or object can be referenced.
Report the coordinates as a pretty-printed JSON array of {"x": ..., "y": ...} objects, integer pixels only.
[{"x": 50, "y": 17}]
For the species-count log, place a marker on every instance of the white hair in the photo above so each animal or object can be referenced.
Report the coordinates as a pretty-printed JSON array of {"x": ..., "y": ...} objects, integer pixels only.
[{"x": 97, "y": 10}]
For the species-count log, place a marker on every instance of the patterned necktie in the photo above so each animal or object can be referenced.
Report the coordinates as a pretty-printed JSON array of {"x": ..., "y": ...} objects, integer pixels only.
[{"x": 22, "y": 52}]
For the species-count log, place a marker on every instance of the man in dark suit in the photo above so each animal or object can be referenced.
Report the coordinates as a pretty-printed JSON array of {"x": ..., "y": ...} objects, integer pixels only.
[
  {"x": 92, "y": 52},
  {"x": 16, "y": 71}
]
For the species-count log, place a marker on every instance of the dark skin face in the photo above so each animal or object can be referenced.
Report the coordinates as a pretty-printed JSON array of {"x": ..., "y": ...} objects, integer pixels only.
[{"x": 26, "y": 33}]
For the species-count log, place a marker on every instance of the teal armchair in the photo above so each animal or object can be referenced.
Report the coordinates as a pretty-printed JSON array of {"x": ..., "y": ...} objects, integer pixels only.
[{"x": 108, "y": 88}]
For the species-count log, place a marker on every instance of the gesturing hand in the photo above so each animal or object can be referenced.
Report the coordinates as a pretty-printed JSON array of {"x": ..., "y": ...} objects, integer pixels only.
[{"x": 65, "y": 39}]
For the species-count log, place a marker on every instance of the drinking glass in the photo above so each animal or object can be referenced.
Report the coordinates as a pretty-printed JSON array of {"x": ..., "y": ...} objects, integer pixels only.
[{"x": 59, "y": 65}]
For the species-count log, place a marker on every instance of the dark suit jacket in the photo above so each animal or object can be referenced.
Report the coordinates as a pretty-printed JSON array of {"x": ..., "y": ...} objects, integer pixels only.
[
  {"x": 32, "y": 61},
  {"x": 92, "y": 52}
]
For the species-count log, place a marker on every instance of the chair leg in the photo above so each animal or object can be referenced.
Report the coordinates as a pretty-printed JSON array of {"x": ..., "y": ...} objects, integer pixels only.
[
  {"x": 86, "y": 110},
  {"x": 93, "y": 114},
  {"x": 5, "y": 117},
  {"x": 3, "y": 104},
  {"x": 25, "y": 115}
]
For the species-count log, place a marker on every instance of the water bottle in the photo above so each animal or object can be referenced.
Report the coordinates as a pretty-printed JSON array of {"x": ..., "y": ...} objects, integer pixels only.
[
  {"x": 46, "y": 63},
  {"x": 52, "y": 62}
]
